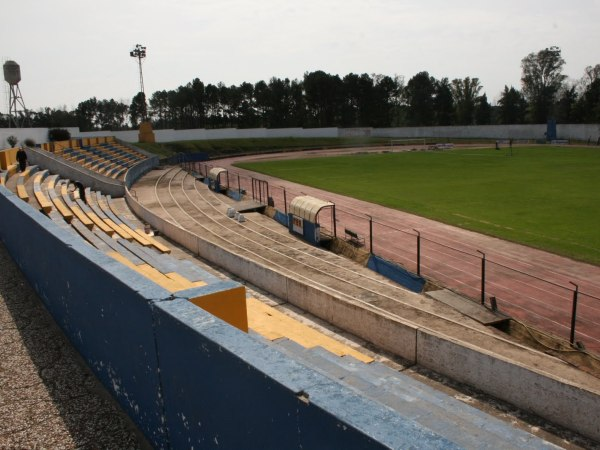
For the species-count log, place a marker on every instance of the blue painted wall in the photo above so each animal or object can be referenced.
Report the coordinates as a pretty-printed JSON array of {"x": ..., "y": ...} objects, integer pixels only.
[
  {"x": 282, "y": 218},
  {"x": 235, "y": 194},
  {"x": 225, "y": 390},
  {"x": 186, "y": 157},
  {"x": 396, "y": 273},
  {"x": 107, "y": 318},
  {"x": 310, "y": 230}
]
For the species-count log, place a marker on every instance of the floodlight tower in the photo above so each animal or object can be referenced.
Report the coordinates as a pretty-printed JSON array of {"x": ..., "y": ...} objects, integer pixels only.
[
  {"x": 139, "y": 52},
  {"x": 17, "y": 112},
  {"x": 146, "y": 134}
]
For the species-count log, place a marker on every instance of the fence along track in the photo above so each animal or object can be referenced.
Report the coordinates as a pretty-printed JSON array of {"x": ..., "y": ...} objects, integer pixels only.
[
  {"x": 466, "y": 280},
  {"x": 211, "y": 199}
]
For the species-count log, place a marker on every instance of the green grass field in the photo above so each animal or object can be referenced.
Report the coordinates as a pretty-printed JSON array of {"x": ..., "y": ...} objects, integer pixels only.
[{"x": 545, "y": 197}]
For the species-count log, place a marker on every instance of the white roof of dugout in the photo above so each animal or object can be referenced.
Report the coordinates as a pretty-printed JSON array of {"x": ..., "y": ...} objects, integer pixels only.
[
  {"x": 214, "y": 173},
  {"x": 307, "y": 207}
]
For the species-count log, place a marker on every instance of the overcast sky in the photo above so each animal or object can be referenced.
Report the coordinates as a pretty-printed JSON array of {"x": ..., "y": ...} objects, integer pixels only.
[{"x": 72, "y": 50}]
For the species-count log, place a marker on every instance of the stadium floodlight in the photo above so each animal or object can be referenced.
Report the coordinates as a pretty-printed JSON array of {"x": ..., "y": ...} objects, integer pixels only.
[{"x": 139, "y": 52}]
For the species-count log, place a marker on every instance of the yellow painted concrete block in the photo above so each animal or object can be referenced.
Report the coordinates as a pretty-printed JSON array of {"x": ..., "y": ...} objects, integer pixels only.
[
  {"x": 272, "y": 324},
  {"x": 228, "y": 305},
  {"x": 8, "y": 157}
]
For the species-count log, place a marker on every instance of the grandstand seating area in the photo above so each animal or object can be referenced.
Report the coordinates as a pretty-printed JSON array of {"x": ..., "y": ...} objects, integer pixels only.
[
  {"x": 102, "y": 155},
  {"x": 99, "y": 221}
]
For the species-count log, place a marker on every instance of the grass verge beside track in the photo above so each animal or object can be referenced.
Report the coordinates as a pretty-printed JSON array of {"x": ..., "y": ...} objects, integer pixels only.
[{"x": 547, "y": 197}]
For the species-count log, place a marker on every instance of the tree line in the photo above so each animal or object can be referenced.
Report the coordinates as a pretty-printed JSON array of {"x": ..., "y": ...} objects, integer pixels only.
[{"x": 321, "y": 99}]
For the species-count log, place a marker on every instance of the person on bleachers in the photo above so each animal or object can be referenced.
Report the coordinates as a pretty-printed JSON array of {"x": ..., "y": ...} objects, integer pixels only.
[
  {"x": 79, "y": 186},
  {"x": 22, "y": 159}
]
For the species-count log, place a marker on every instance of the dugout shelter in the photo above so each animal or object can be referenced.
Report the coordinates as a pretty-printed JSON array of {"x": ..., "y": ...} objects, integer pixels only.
[{"x": 303, "y": 218}]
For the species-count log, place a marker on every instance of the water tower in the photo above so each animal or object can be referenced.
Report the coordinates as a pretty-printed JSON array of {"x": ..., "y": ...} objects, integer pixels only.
[{"x": 17, "y": 112}]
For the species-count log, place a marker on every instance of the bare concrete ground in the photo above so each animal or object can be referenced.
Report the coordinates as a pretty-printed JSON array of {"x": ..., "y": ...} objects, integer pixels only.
[{"x": 49, "y": 399}]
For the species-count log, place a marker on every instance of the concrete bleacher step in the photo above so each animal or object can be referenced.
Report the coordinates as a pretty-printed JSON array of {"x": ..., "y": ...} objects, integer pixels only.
[
  {"x": 89, "y": 236},
  {"x": 58, "y": 219},
  {"x": 101, "y": 224},
  {"x": 172, "y": 282},
  {"x": 115, "y": 245},
  {"x": 22, "y": 179},
  {"x": 439, "y": 412},
  {"x": 136, "y": 234},
  {"x": 61, "y": 207},
  {"x": 125, "y": 252},
  {"x": 39, "y": 193},
  {"x": 315, "y": 360},
  {"x": 105, "y": 203},
  {"x": 111, "y": 223},
  {"x": 75, "y": 209},
  {"x": 195, "y": 273},
  {"x": 168, "y": 265},
  {"x": 165, "y": 265}
]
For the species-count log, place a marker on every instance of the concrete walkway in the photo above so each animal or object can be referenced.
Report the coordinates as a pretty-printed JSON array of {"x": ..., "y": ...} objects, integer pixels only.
[{"x": 48, "y": 397}]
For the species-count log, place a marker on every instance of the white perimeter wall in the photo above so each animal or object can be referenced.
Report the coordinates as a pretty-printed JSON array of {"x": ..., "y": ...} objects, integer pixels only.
[{"x": 566, "y": 131}]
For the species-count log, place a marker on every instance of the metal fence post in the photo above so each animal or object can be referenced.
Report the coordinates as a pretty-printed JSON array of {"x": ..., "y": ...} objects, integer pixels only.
[
  {"x": 334, "y": 222},
  {"x": 482, "y": 277},
  {"x": 370, "y": 234},
  {"x": 574, "y": 312},
  {"x": 285, "y": 202},
  {"x": 418, "y": 251}
]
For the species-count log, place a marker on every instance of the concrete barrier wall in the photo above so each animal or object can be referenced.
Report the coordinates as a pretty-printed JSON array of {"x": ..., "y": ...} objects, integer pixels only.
[
  {"x": 141, "y": 168},
  {"x": 126, "y": 136},
  {"x": 38, "y": 135},
  {"x": 248, "y": 133},
  {"x": 466, "y": 132},
  {"x": 216, "y": 380},
  {"x": 106, "y": 318},
  {"x": 392, "y": 335},
  {"x": 564, "y": 404},
  {"x": 185, "y": 377},
  {"x": 581, "y": 132}
]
